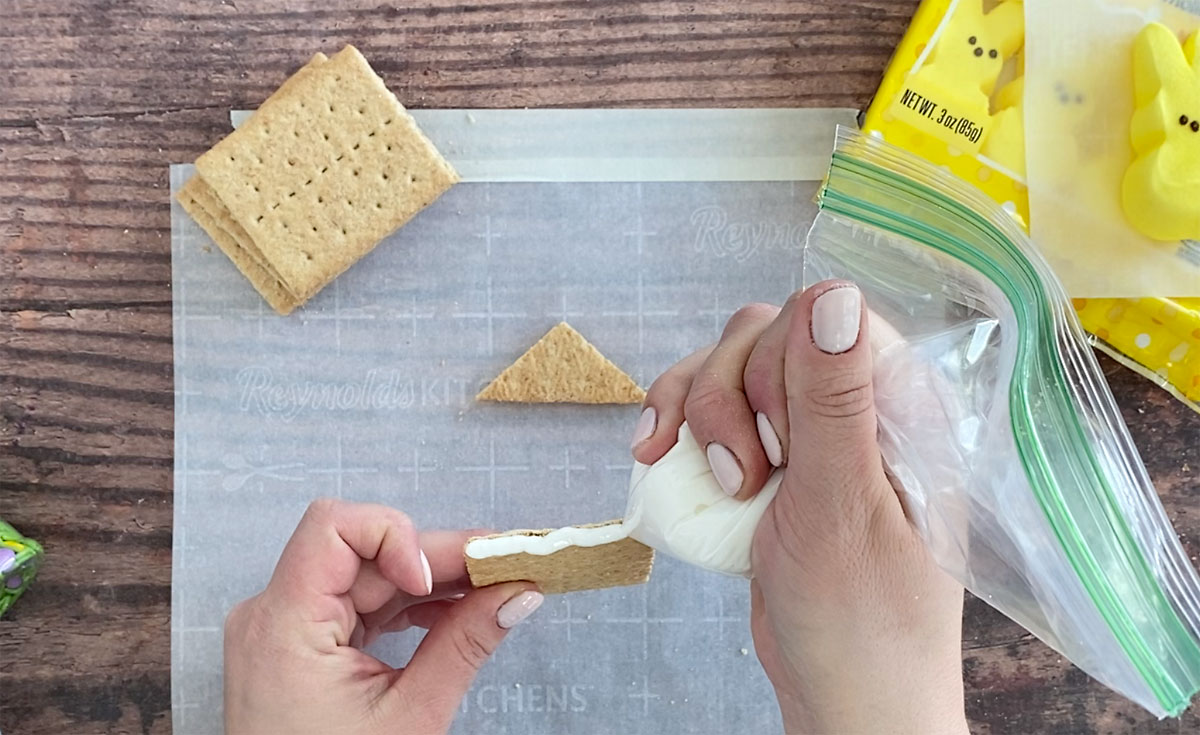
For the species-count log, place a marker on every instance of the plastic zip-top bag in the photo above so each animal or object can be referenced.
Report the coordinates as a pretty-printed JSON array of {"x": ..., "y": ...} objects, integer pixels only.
[{"x": 997, "y": 424}]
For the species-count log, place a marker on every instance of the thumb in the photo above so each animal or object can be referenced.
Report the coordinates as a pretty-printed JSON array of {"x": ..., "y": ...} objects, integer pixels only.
[
  {"x": 452, "y": 652},
  {"x": 834, "y": 455}
]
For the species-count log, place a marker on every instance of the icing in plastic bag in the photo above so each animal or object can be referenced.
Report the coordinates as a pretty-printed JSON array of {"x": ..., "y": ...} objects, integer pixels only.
[{"x": 996, "y": 421}]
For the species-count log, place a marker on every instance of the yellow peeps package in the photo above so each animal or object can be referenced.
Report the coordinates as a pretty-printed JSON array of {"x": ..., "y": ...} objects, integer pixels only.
[
  {"x": 952, "y": 94},
  {"x": 955, "y": 93},
  {"x": 1111, "y": 170}
]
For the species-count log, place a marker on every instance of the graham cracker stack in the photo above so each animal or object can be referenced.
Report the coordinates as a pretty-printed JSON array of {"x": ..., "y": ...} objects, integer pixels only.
[
  {"x": 617, "y": 564},
  {"x": 327, "y": 167},
  {"x": 563, "y": 367}
]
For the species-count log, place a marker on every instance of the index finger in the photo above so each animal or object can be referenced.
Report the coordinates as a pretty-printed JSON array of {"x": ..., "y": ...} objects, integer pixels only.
[
  {"x": 372, "y": 592},
  {"x": 324, "y": 555},
  {"x": 445, "y": 552}
]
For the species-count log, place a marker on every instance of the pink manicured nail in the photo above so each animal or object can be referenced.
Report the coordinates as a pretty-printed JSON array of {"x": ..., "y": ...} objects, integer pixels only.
[
  {"x": 518, "y": 608},
  {"x": 769, "y": 439},
  {"x": 725, "y": 467},
  {"x": 428, "y": 573},
  {"x": 645, "y": 427},
  {"x": 835, "y": 319}
]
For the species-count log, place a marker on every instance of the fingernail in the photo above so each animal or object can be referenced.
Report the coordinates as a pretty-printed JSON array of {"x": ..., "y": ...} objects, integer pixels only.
[
  {"x": 835, "y": 319},
  {"x": 769, "y": 439},
  {"x": 428, "y": 573},
  {"x": 725, "y": 467},
  {"x": 645, "y": 427},
  {"x": 518, "y": 608}
]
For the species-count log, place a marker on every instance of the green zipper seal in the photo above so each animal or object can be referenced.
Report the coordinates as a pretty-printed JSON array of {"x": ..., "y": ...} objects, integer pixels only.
[{"x": 1020, "y": 283}]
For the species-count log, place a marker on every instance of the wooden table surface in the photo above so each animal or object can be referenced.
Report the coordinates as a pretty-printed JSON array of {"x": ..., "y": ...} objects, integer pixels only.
[{"x": 98, "y": 98}]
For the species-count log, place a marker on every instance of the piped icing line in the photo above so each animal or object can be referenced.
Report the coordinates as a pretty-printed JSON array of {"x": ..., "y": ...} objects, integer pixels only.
[{"x": 545, "y": 544}]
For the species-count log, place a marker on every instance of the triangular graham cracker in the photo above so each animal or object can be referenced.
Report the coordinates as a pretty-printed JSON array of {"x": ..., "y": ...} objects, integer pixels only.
[{"x": 563, "y": 367}]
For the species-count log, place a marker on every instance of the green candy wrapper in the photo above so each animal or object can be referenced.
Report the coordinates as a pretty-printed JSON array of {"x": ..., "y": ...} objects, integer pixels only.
[{"x": 20, "y": 558}]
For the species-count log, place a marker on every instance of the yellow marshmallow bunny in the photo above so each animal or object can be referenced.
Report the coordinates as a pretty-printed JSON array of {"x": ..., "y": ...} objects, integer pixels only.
[
  {"x": 961, "y": 71},
  {"x": 1161, "y": 189}
]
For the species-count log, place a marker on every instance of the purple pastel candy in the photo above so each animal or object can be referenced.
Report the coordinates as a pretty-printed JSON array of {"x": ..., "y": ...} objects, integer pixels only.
[
  {"x": 13, "y": 582},
  {"x": 7, "y": 558}
]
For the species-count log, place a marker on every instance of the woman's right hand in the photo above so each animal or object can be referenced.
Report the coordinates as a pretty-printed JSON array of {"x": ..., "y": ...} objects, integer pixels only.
[{"x": 857, "y": 628}]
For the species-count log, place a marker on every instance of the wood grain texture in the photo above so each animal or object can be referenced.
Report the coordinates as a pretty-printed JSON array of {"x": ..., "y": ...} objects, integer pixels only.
[{"x": 98, "y": 97}]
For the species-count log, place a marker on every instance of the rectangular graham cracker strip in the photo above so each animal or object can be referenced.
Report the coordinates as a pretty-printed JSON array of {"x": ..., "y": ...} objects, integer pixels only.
[
  {"x": 327, "y": 169},
  {"x": 267, "y": 286},
  {"x": 617, "y": 564}
]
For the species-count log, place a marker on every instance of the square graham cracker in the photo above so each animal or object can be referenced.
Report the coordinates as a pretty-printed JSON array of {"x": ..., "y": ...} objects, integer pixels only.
[
  {"x": 617, "y": 564},
  {"x": 302, "y": 73},
  {"x": 202, "y": 195},
  {"x": 202, "y": 203},
  {"x": 563, "y": 367},
  {"x": 325, "y": 169},
  {"x": 216, "y": 225}
]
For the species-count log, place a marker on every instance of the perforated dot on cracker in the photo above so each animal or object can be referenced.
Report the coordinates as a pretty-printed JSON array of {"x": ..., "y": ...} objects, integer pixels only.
[{"x": 327, "y": 167}]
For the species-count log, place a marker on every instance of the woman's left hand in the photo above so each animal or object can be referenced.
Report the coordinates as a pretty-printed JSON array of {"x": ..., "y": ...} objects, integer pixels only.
[{"x": 351, "y": 572}]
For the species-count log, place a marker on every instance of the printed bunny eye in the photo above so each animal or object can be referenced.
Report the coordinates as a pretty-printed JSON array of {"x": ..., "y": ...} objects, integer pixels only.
[
  {"x": 1064, "y": 98},
  {"x": 978, "y": 51},
  {"x": 971, "y": 40},
  {"x": 1195, "y": 126},
  {"x": 1183, "y": 119},
  {"x": 1079, "y": 99},
  {"x": 993, "y": 53}
]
